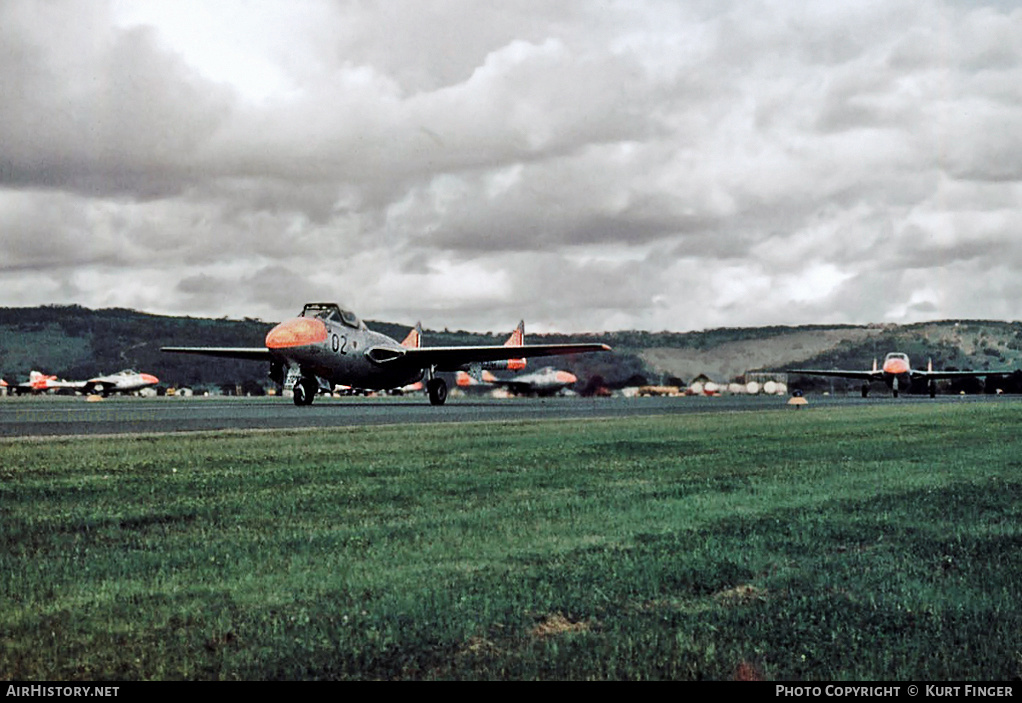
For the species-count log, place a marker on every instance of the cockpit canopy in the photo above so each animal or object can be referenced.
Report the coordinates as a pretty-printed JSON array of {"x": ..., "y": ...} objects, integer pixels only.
[
  {"x": 896, "y": 355},
  {"x": 332, "y": 312}
]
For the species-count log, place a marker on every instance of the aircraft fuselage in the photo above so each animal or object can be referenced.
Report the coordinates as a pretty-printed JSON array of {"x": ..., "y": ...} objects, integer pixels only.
[
  {"x": 897, "y": 372},
  {"x": 340, "y": 352}
]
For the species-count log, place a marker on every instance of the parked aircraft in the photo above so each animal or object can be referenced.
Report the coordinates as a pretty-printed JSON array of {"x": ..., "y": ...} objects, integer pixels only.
[
  {"x": 39, "y": 382},
  {"x": 120, "y": 382},
  {"x": 326, "y": 345},
  {"x": 546, "y": 381},
  {"x": 898, "y": 374}
]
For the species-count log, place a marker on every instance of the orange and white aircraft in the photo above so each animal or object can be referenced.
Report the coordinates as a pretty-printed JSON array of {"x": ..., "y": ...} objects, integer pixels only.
[
  {"x": 898, "y": 374},
  {"x": 120, "y": 382},
  {"x": 39, "y": 382},
  {"x": 546, "y": 381},
  {"x": 326, "y": 346}
]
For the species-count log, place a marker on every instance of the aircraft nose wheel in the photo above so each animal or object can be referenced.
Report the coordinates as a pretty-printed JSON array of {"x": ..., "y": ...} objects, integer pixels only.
[
  {"x": 437, "y": 389},
  {"x": 305, "y": 391}
]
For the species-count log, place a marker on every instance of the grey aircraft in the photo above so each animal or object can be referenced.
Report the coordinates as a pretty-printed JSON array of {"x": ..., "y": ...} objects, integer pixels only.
[{"x": 326, "y": 346}]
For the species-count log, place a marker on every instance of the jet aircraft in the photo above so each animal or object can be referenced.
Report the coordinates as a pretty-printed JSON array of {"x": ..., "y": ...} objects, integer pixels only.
[
  {"x": 121, "y": 382},
  {"x": 327, "y": 345},
  {"x": 898, "y": 374},
  {"x": 39, "y": 382},
  {"x": 546, "y": 381}
]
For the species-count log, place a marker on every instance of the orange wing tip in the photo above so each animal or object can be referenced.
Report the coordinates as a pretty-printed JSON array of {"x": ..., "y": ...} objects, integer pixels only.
[{"x": 298, "y": 332}]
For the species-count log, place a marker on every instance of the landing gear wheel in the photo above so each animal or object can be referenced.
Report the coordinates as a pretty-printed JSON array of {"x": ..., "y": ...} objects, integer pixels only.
[
  {"x": 865, "y": 390},
  {"x": 894, "y": 387},
  {"x": 437, "y": 389},
  {"x": 933, "y": 390},
  {"x": 305, "y": 391}
]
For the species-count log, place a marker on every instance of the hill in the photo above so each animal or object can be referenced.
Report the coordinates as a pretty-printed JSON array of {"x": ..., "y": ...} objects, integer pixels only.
[
  {"x": 75, "y": 342},
  {"x": 973, "y": 344}
]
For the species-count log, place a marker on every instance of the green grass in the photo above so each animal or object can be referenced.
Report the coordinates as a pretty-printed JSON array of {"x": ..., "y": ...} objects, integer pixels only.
[{"x": 860, "y": 543}]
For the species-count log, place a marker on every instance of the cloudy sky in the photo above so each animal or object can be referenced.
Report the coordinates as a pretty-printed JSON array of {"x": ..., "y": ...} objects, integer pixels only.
[{"x": 588, "y": 165}]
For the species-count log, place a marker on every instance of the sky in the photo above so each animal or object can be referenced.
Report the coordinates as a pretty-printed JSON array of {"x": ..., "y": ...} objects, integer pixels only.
[{"x": 586, "y": 165}]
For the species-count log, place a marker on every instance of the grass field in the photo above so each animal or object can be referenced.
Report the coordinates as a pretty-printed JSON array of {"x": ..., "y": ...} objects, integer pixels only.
[{"x": 855, "y": 543}]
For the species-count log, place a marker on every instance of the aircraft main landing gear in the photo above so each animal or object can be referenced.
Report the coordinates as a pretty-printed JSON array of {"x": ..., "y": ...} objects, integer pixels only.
[
  {"x": 437, "y": 389},
  {"x": 865, "y": 390}
]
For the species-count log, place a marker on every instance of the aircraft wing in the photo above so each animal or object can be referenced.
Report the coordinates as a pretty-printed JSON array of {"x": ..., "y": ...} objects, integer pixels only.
[
  {"x": 841, "y": 373},
  {"x": 934, "y": 375},
  {"x": 454, "y": 358},
  {"x": 77, "y": 385},
  {"x": 250, "y": 353},
  {"x": 443, "y": 358}
]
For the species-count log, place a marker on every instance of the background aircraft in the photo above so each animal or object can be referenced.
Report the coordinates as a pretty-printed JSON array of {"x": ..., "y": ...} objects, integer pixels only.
[
  {"x": 546, "y": 381},
  {"x": 326, "y": 346},
  {"x": 120, "y": 382},
  {"x": 39, "y": 382},
  {"x": 898, "y": 374}
]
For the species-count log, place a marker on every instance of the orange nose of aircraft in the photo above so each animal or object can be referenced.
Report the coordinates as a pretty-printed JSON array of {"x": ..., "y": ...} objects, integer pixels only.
[
  {"x": 296, "y": 333},
  {"x": 149, "y": 378},
  {"x": 895, "y": 366},
  {"x": 565, "y": 377}
]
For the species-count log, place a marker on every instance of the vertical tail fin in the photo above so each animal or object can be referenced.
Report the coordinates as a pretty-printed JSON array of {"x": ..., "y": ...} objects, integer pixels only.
[
  {"x": 414, "y": 338},
  {"x": 516, "y": 339}
]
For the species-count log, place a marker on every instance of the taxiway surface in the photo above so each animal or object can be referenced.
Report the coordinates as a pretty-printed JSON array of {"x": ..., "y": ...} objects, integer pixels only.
[{"x": 74, "y": 416}]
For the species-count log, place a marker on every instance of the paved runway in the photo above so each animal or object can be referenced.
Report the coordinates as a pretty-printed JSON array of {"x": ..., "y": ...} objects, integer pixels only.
[{"x": 73, "y": 416}]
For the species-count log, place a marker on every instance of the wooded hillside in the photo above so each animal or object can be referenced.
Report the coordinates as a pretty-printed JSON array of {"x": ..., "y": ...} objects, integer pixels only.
[{"x": 75, "y": 343}]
